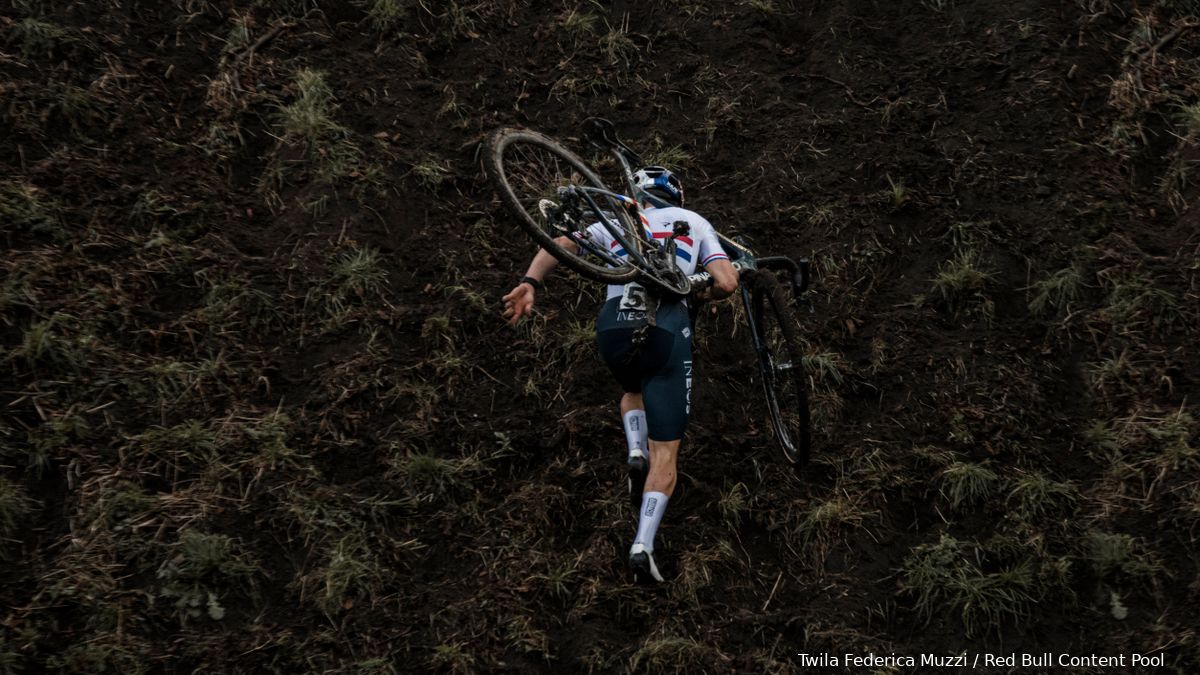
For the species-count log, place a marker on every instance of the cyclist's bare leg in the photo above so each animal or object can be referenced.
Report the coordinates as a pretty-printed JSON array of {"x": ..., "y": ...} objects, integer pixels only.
[
  {"x": 659, "y": 486},
  {"x": 633, "y": 417},
  {"x": 631, "y": 402},
  {"x": 662, "y": 467}
]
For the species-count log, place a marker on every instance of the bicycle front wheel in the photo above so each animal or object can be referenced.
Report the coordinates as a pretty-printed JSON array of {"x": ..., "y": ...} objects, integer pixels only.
[
  {"x": 527, "y": 168},
  {"x": 781, "y": 368}
]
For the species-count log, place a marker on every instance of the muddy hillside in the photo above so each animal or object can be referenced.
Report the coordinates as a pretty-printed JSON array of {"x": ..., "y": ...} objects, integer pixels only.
[{"x": 259, "y": 412}]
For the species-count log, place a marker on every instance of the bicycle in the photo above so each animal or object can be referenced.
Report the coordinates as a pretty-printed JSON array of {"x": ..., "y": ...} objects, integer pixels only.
[{"x": 554, "y": 193}]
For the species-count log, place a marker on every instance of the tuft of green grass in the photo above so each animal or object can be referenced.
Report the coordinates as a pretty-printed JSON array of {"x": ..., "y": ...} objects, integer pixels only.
[
  {"x": 967, "y": 483},
  {"x": 189, "y": 444},
  {"x": 820, "y": 526},
  {"x": 430, "y": 173},
  {"x": 384, "y": 15},
  {"x": 1034, "y": 495},
  {"x": 428, "y": 477},
  {"x": 1057, "y": 291},
  {"x": 15, "y": 504},
  {"x": 734, "y": 503},
  {"x": 1134, "y": 300},
  {"x": 309, "y": 118},
  {"x": 358, "y": 272},
  {"x": 673, "y": 655},
  {"x": 580, "y": 25},
  {"x": 308, "y": 122},
  {"x": 764, "y": 6},
  {"x": 351, "y": 572},
  {"x": 962, "y": 281},
  {"x": 199, "y": 569},
  {"x": 898, "y": 194},
  {"x": 35, "y": 37},
  {"x": 673, "y": 157},
  {"x": 824, "y": 368},
  {"x": 1115, "y": 373},
  {"x": 618, "y": 46},
  {"x": 453, "y": 657},
  {"x": 1189, "y": 116},
  {"x": 948, "y": 576},
  {"x": 23, "y": 209},
  {"x": 1115, "y": 555}
]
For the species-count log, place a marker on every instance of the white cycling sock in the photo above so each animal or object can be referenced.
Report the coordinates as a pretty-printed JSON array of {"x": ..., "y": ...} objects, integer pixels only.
[
  {"x": 654, "y": 504},
  {"x": 636, "y": 433}
]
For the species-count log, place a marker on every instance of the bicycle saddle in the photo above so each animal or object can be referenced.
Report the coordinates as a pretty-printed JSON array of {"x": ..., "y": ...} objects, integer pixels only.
[{"x": 602, "y": 134}]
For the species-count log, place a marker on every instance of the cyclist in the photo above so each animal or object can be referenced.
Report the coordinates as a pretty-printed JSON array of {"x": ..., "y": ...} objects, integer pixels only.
[{"x": 653, "y": 364}]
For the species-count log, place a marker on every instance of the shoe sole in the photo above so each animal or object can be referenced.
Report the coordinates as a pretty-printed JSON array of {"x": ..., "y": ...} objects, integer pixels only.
[{"x": 640, "y": 564}]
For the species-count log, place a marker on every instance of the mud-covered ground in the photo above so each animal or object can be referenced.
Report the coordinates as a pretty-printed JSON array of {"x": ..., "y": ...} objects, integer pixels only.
[{"x": 261, "y": 414}]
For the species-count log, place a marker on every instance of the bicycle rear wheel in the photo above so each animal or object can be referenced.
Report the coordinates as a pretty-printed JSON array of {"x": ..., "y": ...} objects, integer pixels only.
[
  {"x": 781, "y": 368},
  {"x": 527, "y": 168}
]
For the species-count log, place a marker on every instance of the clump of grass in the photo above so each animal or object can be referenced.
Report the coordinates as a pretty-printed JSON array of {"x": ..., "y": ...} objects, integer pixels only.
[
  {"x": 356, "y": 275},
  {"x": 580, "y": 25},
  {"x": 453, "y": 657},
  {"x": 183, "y": 446},
  {"x": 579, "y": 338},
  {"x": 15, "y": 504},
  {"x": 430, "y": 173},
  {"x": 358, "y": 272},
  {"x": 1133, "y": 300},
  {"x": 967, "y": 483},
  {"x": 35, "y": 37},
  {"x": 948, "y": 576},
  {"x": 673, "y": 655},
  {"x": 1057, "y": 291},
  {"x": 618, "y": 46},
  {"x": 1115, "y": 373},
  {"x": 764, "y": 6},
  {"x": 720, "y": 111},
  {"x": 1115, "y": 555},
  {"x": 898, "y": 194},
  {"x": 351, "y": 572},
  {"x": 429, "y": 477},
  {"x": 385, "y": 14},
  {"x": 819, "y": 527},
  {"x": 824, "y": 367},
  {"x": 673, "y": 157},
  {"x": 310, "y": 117},
  {"x": 526, "y": 637},
  {"x": 734, "y": 503},
  {"x": 1034, "y": 495},
  {"x": 1189, "y": 116},
  {"x": 696, "y": 570},
  {"x": 233, "y": 304},
  {"x": 962, "y": 281},
  {"x": 308, "y": 122},
  {"x": 200, "y": 566},
  {"x": 23, "y": 209},
  {"x": 437, "y": 326},
  {"x": 558, "y": 579}
]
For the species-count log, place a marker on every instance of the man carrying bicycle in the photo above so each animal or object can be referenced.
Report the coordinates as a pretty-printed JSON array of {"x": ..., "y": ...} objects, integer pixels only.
[{"x": 652, "y": 361}]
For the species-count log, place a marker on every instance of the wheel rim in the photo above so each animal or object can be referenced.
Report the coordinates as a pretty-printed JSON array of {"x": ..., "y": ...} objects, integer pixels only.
[
  {"x": 533, "y": 172},
  {"x": 782, "y": 382}
]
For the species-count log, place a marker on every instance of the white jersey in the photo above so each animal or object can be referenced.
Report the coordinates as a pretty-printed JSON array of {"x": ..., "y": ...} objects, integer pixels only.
[{"x": 697, "y": 248}]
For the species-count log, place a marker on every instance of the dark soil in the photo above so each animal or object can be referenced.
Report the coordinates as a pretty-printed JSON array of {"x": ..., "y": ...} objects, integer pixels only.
[{"x": 261, "y": 413}]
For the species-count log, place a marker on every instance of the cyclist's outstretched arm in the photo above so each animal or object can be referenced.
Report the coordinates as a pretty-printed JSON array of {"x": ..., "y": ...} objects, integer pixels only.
[
  {"x": 725, "y": 279},
  {"x": 519, "y": 300}
]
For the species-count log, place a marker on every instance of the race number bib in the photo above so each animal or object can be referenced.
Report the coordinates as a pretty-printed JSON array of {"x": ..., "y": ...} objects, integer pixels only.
[{"x": 634, "y": 298}]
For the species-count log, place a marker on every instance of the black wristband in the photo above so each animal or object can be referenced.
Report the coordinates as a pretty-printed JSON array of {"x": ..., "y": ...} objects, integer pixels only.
[{"x": 537, "y": 285}]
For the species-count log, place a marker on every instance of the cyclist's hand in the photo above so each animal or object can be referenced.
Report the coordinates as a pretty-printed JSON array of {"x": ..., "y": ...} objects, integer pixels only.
[{"x": 518, "y": 303}]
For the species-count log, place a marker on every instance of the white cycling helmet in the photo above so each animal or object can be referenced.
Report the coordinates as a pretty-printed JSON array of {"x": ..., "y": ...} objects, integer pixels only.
[{"x": 660, "y": 182}]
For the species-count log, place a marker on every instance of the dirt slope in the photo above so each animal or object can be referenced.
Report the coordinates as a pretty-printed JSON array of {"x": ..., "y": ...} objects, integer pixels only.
[{"x": 261, "y": 415}]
